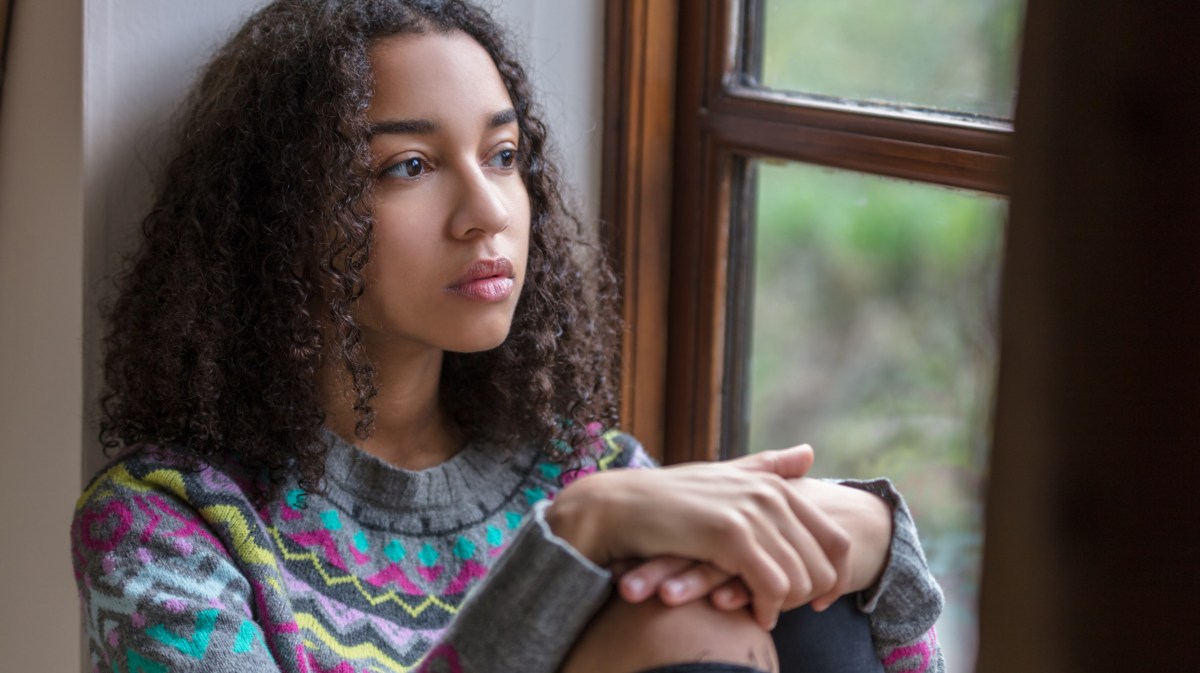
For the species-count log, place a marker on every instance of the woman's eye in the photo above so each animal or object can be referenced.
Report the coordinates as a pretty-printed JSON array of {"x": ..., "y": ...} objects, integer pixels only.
[
  {"x": 506, "y": 158},
  {"x": 409, "y": 168}
]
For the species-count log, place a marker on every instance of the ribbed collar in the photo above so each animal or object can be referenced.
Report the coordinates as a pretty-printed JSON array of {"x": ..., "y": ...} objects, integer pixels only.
[{"x": 476, "y": 472}]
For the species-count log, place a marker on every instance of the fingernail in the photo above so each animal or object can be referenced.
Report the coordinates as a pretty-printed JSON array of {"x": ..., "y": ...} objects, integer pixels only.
[
  {"x": 674, "y": 587},
  {"x": 635, "y": 586}
]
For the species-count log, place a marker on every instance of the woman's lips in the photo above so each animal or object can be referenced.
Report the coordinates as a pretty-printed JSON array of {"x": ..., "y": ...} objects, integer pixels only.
[{"x": 487, "y": 280}]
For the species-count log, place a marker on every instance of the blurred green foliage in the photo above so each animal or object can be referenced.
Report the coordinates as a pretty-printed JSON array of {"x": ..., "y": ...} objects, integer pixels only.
[
  {"x": 874, "y": 340},
  {"x": 948, "y": 54}
]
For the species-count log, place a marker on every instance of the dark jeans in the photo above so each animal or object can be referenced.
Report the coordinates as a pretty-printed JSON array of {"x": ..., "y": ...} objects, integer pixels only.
[{"x": 835, "y": 641}]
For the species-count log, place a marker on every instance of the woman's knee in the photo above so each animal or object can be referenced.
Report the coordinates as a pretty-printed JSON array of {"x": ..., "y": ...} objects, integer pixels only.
[{"x": 626, "y": 638}]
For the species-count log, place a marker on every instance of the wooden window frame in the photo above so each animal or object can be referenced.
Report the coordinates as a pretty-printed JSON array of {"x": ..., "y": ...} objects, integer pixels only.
[
  {"x": 681, "y": 117},
  {"x": 635, "y": 204}
]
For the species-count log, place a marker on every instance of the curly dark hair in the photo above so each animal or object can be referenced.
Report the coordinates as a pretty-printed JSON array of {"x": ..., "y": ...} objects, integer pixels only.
[{"x": 254, "y": 252}]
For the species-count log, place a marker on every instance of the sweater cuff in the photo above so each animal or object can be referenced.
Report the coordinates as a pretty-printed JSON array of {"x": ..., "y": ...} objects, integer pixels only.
[
  {"x": 906, "y": 601},
  {"x": 533, "y": 606}
]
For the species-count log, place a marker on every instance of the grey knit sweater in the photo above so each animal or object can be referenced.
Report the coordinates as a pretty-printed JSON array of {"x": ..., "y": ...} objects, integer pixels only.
[{"x": 447, "y": 569}]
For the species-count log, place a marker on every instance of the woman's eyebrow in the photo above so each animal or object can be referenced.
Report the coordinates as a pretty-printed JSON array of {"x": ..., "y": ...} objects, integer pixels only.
[
  {"x": 426, "y": 126},
  {"x": 403, "y": 127},
  {"x": 502, "y": 117}
]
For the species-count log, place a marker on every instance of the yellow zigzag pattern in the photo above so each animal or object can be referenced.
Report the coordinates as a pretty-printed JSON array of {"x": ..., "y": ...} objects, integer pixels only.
[
  {"x": 615, "y": 449},
  {"x": 230, "y": 516},
  {"x": 373, "y": 599},
  {"x": 168, "y": 480},
  {"x": 349, "y": 652},
  {"x": 239, "y": 530},
  {"x": 115, "y": 475}
]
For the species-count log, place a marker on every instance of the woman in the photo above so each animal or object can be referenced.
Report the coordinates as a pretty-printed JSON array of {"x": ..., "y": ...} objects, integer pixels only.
[{"x": 360, "y": 367}]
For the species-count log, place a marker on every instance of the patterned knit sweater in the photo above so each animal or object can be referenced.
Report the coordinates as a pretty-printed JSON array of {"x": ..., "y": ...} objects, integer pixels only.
[{"x": 447, "y": 569}]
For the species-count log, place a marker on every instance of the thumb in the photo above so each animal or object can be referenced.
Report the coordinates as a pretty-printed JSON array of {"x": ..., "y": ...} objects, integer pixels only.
[{"x": 790, "y": 463}]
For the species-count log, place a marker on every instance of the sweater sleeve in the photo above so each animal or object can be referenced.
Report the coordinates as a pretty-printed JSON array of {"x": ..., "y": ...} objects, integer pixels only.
[
  {"x": 540, "y": 577},
  {"x": 906, "y": 601},
  {"x": 159, "y": 592}
]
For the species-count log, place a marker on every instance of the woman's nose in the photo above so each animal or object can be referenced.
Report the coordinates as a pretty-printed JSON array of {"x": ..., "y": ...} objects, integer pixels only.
[{"x": 481, "y": 208}]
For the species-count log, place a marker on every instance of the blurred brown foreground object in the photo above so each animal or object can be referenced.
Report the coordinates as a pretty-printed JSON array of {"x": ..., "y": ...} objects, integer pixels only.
[
  {"x": 5, "y": 11},
  {"x": 1090, "y": 549}
]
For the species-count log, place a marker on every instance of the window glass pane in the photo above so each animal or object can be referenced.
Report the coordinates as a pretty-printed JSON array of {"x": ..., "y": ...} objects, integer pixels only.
[
  {"x": 873, "y": 339},
  {"x": 956, "y": 55}
]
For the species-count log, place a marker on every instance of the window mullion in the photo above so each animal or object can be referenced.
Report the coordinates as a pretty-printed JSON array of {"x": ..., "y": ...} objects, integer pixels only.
[
  {"x": 881, "y": 156},
  {"x": 969, "y": 158},
  {"x": 965, "y": 132}
]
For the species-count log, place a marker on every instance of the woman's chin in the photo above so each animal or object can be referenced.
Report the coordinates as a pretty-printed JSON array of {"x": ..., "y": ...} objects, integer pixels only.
[{"x": 478, "y": 342}]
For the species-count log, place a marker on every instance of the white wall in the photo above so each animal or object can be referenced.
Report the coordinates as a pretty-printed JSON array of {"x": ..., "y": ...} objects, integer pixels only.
[
  {"x": 91, "y": 85},
  {"x": 563, "y": 47}
]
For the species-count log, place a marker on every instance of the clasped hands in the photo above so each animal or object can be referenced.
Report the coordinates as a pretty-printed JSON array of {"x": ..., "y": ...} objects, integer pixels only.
[{"x": 747, "y": 532}]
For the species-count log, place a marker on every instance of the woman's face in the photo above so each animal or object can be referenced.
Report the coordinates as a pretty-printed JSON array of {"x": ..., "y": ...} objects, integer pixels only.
[{"x": 451, "y": 210}]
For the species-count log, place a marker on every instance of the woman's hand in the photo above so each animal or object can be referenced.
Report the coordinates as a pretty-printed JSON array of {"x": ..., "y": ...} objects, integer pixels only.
[
  {"x": 742, "y": 517},
  {"x": 676, "y": 581},
  {"x": 865, "y": 517}
]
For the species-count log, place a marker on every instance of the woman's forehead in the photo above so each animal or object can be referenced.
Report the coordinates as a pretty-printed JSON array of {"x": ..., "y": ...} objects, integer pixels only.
[{"x": 435, "y": 77}]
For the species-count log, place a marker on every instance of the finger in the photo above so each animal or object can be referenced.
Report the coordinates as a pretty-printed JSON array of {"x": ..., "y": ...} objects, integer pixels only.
[
  {"x": 742, "y": 553},
  {"x": 822, "y": 603},
  {"x": 788, "y": 463},
  {"x": 797, "y": 552},
  {"x": 785, "y": 534},
  {"x": 645, "y": 579},
  {"x": 824, "y": 547},
  {"x": 733, "y": 595},
  {"x": 768, "y": 592},
  {"x": 695, "y": 582}
]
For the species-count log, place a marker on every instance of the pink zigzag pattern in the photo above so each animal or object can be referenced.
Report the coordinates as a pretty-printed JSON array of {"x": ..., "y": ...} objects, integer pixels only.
[
  {"x": 343, "y": 616},
  {"x": 154, "y": 517},
  {"x": 322, "y": 539},
  {"x": 923, "y": 648},
  {"x": 471, "y": 571},
  {"x": 289, "y": 514},
  {"x": 314, "y": 667},
  {"x": 572, "y": 476},
  {"x": 192, "y": 525},
  {"x": 394, "y": 573}
]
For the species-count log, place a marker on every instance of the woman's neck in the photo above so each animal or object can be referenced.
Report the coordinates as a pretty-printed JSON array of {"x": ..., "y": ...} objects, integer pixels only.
[{"x": 410, "y": 430}]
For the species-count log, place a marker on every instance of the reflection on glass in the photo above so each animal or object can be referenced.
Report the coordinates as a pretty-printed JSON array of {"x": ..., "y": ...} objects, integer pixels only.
[
  {"x": 952, "y": 55},
  {"x": 873, "y": 339}
]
